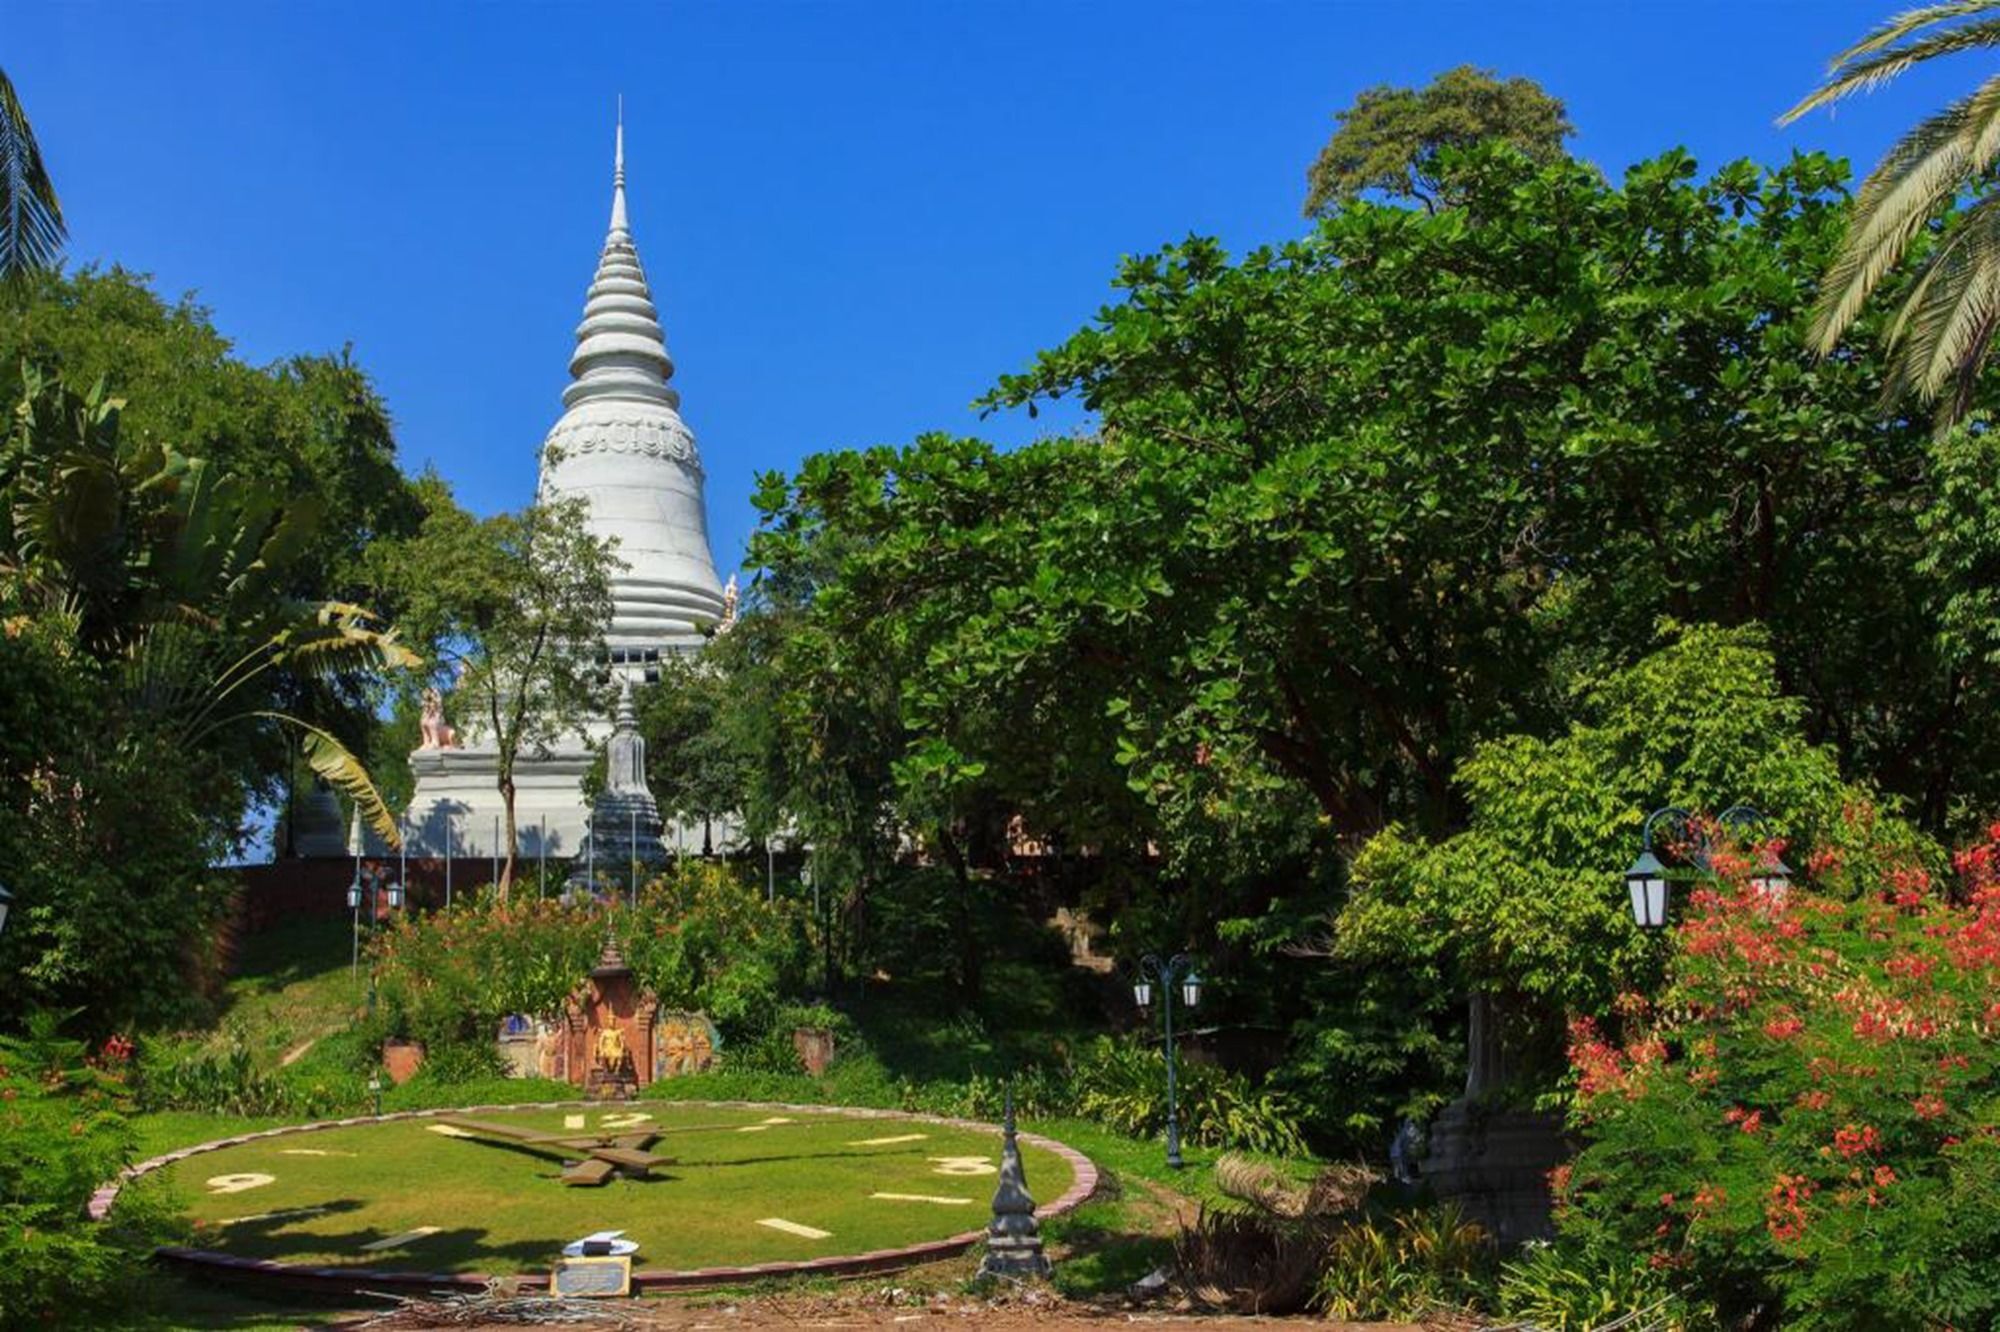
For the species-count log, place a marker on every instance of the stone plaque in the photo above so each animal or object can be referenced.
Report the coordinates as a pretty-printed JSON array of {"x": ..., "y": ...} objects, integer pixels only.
[
  {"x": 603, "y": 1278},
  {"x": 683, "y": 1043}
]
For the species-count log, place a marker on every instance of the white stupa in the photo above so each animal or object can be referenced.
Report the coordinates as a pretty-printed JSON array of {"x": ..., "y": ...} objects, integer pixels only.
[{"x": 622, "y": 447}]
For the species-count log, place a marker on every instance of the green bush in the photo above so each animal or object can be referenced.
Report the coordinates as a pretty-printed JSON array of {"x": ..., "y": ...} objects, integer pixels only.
[
  {"x": 462, "y": 1063},
  {"x": 226, "y": 1083},
  {"x": 62, "y": 1133},
  {"x": 1123, "y": 1086},
  {"x": 1564, "y": 1288}
]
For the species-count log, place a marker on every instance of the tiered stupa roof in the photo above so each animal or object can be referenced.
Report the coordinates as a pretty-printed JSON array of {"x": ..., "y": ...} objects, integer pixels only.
[{"x": 622, "y": 446}]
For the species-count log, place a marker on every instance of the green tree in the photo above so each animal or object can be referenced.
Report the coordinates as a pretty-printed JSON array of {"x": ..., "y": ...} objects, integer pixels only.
[
  {"x": 171, "y": 571},
  {"x": 693, "y": 769},
  {"x": 517, "y": 606},
  {"x": 1356, "y": 505},
  {"x": 1527, "y": 907},
  {"x": 1391, "y": 138},
  {"x": 306, "y": 425},
  {"x": 1379, "y": 492},
  {"x": 155, "y": 673},
  {"x": 31, "y": 220},
  {"x": 899, "y": 547},
  {"x": 1942, "y": 331}
]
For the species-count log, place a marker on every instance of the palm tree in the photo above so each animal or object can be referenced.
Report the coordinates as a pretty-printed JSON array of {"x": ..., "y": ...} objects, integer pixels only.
[
  {"x": 1942, "y": 331},
  {"x": 31, "y": 220}
]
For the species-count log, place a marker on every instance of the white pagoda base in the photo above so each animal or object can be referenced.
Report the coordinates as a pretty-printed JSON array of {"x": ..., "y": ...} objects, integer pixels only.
[{"x": 456, "y": 807}]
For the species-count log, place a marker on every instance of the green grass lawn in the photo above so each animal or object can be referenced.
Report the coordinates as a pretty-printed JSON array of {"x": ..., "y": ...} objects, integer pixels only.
[
  {"x": 498, "y": 1208},
  {"x": 293, "y": 986}
]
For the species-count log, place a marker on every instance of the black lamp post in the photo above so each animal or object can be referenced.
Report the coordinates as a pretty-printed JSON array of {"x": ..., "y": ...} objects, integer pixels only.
[
  {"x": 1647, "y": 877},
  {"x": 1177, "y": 970}
]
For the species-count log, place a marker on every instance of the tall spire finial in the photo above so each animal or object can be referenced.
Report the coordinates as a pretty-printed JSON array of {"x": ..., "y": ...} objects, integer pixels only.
[{"x": 618, "y": 222}]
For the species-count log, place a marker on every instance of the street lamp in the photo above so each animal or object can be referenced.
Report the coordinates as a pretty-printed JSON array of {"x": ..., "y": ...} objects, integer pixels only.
[
  {"x": 1177, "y": 970},
  {"x": 1646, "y": 879}
]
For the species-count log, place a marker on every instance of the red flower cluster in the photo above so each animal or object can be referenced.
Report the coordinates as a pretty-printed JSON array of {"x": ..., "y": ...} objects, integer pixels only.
[
  {"x": 1785, "y": 1207},
  {"x": 1852, "y": 1140}
]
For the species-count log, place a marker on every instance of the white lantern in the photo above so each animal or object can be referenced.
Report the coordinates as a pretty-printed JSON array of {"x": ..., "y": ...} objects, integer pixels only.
[
  {"x": 1773, "y": 879},
  {"x": 1142, "y": 993},
  {"x": 1647, "y": 880},
  {"x": 6, "y": 901},
  {"x": 354, "y": 894},
  {"x": 1191, "y": 989}
]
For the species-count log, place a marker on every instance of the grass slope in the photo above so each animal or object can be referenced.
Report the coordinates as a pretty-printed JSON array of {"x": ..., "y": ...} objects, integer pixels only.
[{"x": 496, "y": 1207}]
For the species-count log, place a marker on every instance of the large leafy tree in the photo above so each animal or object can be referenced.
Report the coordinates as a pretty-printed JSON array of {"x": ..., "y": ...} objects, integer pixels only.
[
  {"x": 1389, "y": 141},
  {"x": 1379, "y": 491},
  {"x": 31, "y": 220},
  {"x": 516, "y": 607},
  {"x": 1944, "y": 323},
  {"x": 693, "y": 769},
  {"x": 1525, "y": 907},
  {"x": 172, "y": 573},
  {"x": 872, "y": 563},
  {"x": 309, "y": 429},
  {"x": 1358, "y": 504},
  {"x": 307, "y": 425}
]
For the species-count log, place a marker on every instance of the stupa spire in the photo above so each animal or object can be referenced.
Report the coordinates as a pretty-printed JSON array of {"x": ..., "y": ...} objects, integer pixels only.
[
  {"x": 618, "y": 221},
  {"x": 622, "y": 446},
  {"x": 621, "y": 351}
]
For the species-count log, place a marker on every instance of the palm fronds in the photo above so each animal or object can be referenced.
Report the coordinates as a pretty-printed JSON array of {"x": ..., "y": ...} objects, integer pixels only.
[
  {"x": 31, "y": 221},
  {"x": 1895, "y": 47},
  {"x": 1941, "y": 333}
]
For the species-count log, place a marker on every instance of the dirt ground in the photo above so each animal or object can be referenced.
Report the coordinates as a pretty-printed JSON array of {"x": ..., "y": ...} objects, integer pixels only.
[{"x": 888, "y": 1309}]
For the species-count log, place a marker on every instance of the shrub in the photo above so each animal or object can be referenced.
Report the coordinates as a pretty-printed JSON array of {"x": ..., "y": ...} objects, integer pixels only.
[
  {"x": 228, "y": 1083},
  {"x": 1123, "y": 1086},
  {"x": 63, "y": 1133},
  {"x": 1806, "y": 1127},
  {"x": 703, "y": 938},
  {"x": 1564, "y": 1288},
  {"x": 449, "y": 977},
  {"x": 698, "y": 938},
  {"x": 1421, "y": 1264}
]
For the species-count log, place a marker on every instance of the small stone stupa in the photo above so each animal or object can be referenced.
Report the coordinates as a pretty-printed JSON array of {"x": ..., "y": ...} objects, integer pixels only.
[
  {"x": 625, "y": 819},
  {"x": 1013, "y": 1238}
]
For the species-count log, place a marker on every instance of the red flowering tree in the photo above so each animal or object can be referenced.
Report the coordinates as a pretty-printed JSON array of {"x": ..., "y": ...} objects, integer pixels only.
[{"x": 1804, "y": 1127}]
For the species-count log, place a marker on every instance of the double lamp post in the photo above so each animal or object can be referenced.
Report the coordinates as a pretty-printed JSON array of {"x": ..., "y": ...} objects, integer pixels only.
[
  {"x": 1699, "y": 840},
  {"x": 1173, "y": 974}
]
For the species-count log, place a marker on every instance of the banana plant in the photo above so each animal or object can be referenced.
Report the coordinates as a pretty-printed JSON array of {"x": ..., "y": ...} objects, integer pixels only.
[
  {"x": 168, "y": 676},
  {"x": 169, "y": 571}
]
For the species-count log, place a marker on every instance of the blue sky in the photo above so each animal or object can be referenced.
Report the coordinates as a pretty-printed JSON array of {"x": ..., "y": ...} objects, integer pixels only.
[{"x": 855, "y": 216}]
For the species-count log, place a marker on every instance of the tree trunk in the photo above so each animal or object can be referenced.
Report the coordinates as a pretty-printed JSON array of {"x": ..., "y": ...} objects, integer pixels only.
[
  {"x": 507, "y": 868},
  {"x": 970, "y": 971}
]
